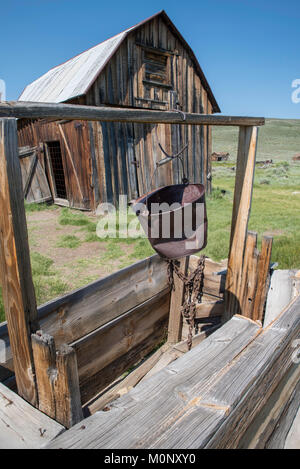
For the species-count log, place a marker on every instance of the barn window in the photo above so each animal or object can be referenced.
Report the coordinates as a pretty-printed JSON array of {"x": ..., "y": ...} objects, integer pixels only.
[
  {"x": 156, "y": 68},
  {"x": 57, "y": 169}
]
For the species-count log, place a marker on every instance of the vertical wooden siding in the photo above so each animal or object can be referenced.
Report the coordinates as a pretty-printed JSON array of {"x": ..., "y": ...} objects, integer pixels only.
[
  {"x": 121, "y": 83},
  {"x": 78, "y": 140},
  {"x": 123, "y": 157}
]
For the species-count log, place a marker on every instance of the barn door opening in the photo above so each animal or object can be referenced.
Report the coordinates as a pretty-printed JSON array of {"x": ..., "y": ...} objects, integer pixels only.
[{"x": 56, "y": 172}]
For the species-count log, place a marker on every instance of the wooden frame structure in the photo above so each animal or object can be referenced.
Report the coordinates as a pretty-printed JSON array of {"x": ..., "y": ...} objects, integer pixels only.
[{"x": 85, "y": 347}]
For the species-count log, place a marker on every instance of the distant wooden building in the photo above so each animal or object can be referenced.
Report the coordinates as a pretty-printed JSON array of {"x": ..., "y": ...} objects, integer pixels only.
[
  {"x": 220, "y": 156},
  {"x": 148, "y": 66}
]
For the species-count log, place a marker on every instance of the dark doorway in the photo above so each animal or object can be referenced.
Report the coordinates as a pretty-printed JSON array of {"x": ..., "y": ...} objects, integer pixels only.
[{"x": 57, "y": 169}]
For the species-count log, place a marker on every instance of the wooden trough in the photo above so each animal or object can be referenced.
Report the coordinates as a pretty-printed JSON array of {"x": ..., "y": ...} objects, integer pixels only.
[{"x": 68, "y": 360}]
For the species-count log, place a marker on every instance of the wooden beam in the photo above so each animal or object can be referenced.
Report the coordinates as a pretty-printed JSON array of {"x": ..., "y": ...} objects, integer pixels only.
[
  {"x": 110, "y": 114},
  {"x": 15, "y": 268},
  {"x": 175, "y": 316},
  {"x": 57, "y": 380},
  {"x": 240, "y": 217},
  {"x": 209, "y": 309}
]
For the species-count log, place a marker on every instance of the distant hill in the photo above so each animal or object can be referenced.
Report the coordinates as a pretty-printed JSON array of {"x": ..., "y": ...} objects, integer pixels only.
[{"x": 279, "y": 139}]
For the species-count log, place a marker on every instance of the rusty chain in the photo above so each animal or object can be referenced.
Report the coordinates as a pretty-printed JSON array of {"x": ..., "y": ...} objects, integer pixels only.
[{"x": 193, "y": 291}]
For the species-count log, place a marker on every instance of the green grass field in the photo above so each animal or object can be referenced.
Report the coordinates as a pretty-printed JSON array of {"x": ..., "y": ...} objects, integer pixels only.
[
  {"x": 277, "y": 140},
  {"x": 275, "y": 211},
  {"x": 276, "y": 195},
  {"x": 73, "y": 255}
]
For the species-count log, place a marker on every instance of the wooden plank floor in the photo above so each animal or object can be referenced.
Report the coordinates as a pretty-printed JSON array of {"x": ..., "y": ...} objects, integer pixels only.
[
  {"x": 21, "y": 425},
  {"x": 156, "y": 406},
  {"x": 205, "y": 399}
]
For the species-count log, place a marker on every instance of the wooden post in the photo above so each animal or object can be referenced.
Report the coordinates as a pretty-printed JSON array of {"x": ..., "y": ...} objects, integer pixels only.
[
  {"x": 45, "y": 368},
  {"x": 67, "y": 392},
  {"x": 175, "y": 317},
  {"x": 57, "y": 380},
  {"x": 263, "y": 274},
  {"x": 15, "y": 268},
  {"x": 240, "y": 217},
  {"x": 248, "y": 286}
]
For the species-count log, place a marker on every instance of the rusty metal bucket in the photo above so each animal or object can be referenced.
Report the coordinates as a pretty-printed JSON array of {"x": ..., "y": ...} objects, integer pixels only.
[{"x": 174, "y": 219}]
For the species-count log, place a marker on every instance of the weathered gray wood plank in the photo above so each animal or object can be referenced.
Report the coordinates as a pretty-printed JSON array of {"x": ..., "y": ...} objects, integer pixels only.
[
  {"x": 146, "y": 369},
  {"x": 88, "y": 308},
  {"x": 109, "y": 351},
  {"x": 123, "y": 385},
  {"x": 280, "y": 294},
  {"x": 175, "y": 351},
  {"x": 214, "y": 276},
  {"x": 293, "y": 437},
  {"x": 162, "y": 400},
  {"x": 270, "y": 420},
  {"x": 206, "y": 398},
  {"x": 76, "y": 314},
  {"x": 21, "y": 425},
  {"x": 251, "y": 379}
]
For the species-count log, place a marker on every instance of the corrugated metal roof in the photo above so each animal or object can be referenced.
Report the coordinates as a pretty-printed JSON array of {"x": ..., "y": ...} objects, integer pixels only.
[{"x": 74, "y": 77}]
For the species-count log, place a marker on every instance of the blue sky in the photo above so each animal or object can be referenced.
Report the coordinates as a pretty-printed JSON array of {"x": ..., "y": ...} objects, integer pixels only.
[{"x": 249, "y": 49}]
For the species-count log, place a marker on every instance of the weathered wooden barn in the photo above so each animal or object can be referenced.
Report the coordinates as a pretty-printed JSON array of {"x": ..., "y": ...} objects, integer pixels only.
[{"x": 79, "y": 163}]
